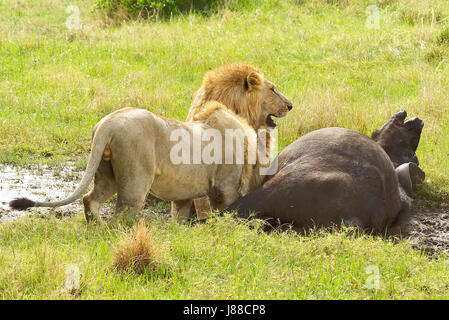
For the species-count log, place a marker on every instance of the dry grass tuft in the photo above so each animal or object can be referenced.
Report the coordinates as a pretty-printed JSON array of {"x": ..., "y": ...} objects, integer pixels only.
[{"x": 137, "y": 251}]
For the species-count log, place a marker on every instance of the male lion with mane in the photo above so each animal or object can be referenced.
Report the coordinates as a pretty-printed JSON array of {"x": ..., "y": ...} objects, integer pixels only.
[
  {"x": 243, "y": 89},
  {"x": 132, "y": 156}
]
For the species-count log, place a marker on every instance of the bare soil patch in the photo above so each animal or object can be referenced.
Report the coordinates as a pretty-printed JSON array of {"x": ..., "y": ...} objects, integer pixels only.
[{"x": 428, "y": 229}]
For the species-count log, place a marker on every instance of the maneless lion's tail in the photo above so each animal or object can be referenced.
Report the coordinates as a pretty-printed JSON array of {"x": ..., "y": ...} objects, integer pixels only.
[{"x": 100, "y": 139}]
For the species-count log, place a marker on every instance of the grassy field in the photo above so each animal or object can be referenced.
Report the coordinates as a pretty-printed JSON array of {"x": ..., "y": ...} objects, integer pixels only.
[
  {"x": 218, "y": 260},
  {"x": 56, "y": 83}
]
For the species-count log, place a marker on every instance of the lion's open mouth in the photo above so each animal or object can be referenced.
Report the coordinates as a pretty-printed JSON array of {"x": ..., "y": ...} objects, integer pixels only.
[{"x": 270, "y": 122}]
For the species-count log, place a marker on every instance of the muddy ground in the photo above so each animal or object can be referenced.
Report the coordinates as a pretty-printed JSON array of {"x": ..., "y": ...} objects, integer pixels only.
[
  {"x": 428, "y": 228},
  {"x": 41, "y": 183},
  {"x": 49, "y": 184}
]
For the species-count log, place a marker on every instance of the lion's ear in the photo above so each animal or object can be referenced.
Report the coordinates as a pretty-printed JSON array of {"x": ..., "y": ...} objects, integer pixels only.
[{"x": 252, "y": 81}]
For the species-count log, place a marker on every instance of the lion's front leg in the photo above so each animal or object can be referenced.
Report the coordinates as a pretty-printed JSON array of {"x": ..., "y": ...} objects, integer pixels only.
[
  {"x": 202, "y": 207},
  {"x": 183, "y": 210}
]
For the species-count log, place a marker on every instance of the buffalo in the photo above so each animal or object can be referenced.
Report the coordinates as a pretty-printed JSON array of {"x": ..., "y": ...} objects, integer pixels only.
[{"x": 335, "y": 175}]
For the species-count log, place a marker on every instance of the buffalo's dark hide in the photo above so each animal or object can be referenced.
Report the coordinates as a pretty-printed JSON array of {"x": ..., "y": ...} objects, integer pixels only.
[{"x": 336, "y": 175}]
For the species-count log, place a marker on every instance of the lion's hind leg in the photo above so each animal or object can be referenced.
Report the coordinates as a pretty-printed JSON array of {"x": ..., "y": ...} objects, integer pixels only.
[
  {"x": 104, "y": 188},
  {"x": 133, "y": 186}
]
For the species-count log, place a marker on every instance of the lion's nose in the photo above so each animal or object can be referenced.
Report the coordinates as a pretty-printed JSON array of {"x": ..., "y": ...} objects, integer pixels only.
[{"x": 290, "y": 107}]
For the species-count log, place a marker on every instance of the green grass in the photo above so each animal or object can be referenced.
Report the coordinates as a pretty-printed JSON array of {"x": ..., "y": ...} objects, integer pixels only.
[
  {"x": 222, "y": 259},
  {"x": 55, "y": 84}
]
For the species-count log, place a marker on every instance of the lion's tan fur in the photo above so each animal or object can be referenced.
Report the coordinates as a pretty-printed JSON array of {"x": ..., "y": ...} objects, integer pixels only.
[
  {"x": 250, "y": 177},
  {"x": 131, "y": 148},
  {"x": 210, "y": 107},
  {"x": 225, "y": 85},
  {"x": 139, "y": 145},
  {"x": 243, "y": 89}
]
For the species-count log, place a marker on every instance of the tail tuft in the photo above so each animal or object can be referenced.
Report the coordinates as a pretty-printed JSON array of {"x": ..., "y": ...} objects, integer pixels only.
[{"x": 21, "y": 203}]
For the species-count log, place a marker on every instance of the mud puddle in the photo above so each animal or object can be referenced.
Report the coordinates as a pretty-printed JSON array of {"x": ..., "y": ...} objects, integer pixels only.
[
  {"x": 428, "y": 229},
  {"x": 37, "y": 183},
  {"x": 46, "y": 183}
]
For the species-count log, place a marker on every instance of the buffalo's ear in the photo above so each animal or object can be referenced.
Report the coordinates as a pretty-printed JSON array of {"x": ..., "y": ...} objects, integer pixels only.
[
  {"x": 400, "y": 116},
  {"x": 253, "y": 81},
  {"x": 414, "y": 126}
]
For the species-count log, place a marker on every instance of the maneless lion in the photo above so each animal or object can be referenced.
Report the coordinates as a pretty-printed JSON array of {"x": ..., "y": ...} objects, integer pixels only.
[
  {"x": 134, "y": 153},
  {"x": 243, "y": 89}
]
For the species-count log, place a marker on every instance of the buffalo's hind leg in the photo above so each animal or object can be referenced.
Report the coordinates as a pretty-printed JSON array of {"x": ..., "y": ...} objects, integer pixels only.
[{"x": 104, "y": 188}]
